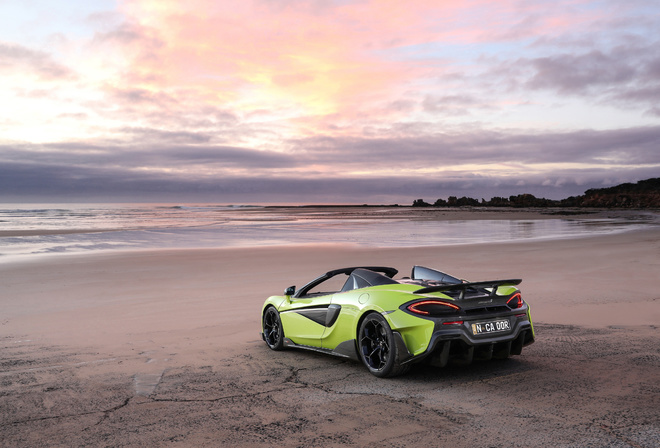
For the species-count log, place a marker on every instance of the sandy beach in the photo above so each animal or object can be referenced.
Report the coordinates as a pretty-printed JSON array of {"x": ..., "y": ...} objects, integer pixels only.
[{"x": 161, "y": 348}]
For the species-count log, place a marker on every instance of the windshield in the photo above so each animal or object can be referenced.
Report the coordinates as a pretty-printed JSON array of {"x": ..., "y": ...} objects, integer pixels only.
[{"x": 422, "y": 273}]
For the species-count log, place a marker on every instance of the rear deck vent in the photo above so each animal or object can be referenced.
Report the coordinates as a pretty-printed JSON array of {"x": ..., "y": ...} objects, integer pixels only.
[{"x": 488, "y": 309}]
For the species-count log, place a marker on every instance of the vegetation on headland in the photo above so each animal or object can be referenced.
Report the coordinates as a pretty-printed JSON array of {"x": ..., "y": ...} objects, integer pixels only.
[{"x": 643, "y": 194}]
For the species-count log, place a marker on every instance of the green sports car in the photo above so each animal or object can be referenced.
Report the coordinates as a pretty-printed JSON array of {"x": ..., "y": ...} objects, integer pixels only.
[{"x": 364, "y": 313}]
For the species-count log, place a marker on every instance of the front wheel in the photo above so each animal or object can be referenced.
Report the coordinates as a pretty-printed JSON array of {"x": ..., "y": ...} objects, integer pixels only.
[
  {"x": 272, "y": 328},
  {"x": 377, "y": 348}
]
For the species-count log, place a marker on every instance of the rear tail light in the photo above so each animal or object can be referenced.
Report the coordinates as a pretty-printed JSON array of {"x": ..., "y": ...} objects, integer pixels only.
[
  {"x": 515, "y": 301},
  {"x": 433, "y": 308}
]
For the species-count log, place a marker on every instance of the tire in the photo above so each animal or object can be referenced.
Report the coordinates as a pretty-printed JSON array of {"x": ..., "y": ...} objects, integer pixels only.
[
  {"x": 377, "y": 348},
  {"x": 272, "y": 329}
]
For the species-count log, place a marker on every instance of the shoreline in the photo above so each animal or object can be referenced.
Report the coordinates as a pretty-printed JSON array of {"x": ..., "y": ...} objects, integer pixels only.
[
  {"x": 367, "y": 213},
  {"x": 36, "y": 257},
  {"x": 378, "y": 228}
]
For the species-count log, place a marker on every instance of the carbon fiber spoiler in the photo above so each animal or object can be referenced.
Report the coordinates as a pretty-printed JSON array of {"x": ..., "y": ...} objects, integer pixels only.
[{"x": 462, "y": 287}]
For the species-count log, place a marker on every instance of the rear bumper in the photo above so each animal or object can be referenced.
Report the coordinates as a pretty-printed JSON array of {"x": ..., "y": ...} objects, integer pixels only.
[{"x": 458, "y": 344}]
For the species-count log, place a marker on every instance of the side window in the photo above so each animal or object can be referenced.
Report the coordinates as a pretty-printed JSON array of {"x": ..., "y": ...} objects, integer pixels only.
[
  {"x": 330, "y": 286},
  {"x": 349, "y": 285},
  {"x": 361, "y": 283},
  {"x": 354, "y": 282}
]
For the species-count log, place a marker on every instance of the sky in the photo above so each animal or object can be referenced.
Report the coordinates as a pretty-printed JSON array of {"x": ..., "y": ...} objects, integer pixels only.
[{"x": 325, "y": 101}]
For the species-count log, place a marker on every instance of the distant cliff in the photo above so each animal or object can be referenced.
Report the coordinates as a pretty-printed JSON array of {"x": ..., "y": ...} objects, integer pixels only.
[{"x": 643, "y": 194}]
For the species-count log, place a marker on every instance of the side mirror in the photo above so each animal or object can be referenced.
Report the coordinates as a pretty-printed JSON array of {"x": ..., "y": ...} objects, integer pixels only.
[{"x": 291, "y": 290}]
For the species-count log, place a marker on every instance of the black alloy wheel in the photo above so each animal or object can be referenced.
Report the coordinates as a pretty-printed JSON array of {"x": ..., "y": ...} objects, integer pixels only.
[
  {"x": 377, "y": 348},
  {"x": 272, "y": 327}
]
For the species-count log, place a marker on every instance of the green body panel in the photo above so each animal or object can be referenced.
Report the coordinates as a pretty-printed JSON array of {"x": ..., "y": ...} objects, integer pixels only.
[
  {"x": 416, "y": 332},
  {"x": 344, "y": 329},
  {"x": 307, "y": 331},
  {"x": 505, "y": 290}
]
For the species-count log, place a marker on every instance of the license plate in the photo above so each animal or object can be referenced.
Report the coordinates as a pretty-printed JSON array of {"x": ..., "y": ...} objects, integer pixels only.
[{"x": 493, "y": 326}]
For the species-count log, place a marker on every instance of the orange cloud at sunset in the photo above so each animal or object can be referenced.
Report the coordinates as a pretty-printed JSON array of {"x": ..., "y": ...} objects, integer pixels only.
[
  {"x": 306, "y": 58},
  {"x": 260, "y": 55}
]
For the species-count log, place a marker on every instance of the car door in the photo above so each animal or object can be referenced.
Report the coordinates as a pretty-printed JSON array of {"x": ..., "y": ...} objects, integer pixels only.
[
  {"x": 306, "y": 314},
  {"x": 304, "y": 318}
]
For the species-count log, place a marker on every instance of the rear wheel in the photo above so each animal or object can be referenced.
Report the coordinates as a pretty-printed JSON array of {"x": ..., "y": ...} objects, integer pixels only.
[
  {"x": 377, "y": 347},
  {"x": 272, "y": 328}
]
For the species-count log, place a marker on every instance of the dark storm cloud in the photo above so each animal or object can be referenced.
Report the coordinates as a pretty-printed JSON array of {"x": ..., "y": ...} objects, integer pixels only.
[
  {"x": 625, "y": 146},
  {"x": 26, "y": 181},
  {"x": 157, "y": 165},
  {"x": 164, "y": 149},
  {"x": 13, "y": 56}
]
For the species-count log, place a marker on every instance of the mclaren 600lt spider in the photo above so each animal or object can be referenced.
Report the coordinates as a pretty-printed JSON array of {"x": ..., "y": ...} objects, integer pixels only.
[{"x": 389, "y": 323}]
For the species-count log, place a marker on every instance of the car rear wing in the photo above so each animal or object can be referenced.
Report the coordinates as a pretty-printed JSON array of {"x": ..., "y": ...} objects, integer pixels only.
[{"x": 463, "y": 287}]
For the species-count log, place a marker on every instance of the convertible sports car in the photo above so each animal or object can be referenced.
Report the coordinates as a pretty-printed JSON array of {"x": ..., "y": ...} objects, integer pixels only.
[{"x": 390, "y": 323}]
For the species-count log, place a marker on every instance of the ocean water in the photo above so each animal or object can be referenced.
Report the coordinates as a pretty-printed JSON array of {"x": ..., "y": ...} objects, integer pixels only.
[{"x": 30, "y": 230}]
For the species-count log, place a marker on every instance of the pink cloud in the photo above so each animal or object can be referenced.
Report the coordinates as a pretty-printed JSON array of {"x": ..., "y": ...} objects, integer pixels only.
[
  {"x": 302, "y": 54},
  {"x": 311, "y": 57}
]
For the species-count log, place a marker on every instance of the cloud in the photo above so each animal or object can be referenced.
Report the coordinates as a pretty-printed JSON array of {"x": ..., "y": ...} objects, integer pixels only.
[
  {"x": 168, "y": 137},
  {"x": 14, "y": 57},
  {"x": 172, "y": 152},
  {"x": 478, "y": 164},
  {"x": 579, "y": 73},
  {"x": 309, "y": 66},
  {"x": 270, "y": 96},
  {"x": 622, "y": 146},
  {"x": 459, "y": 104},
  {"x": 39, "y": 182},
  {"x": 617, "y": 66},
  {"x": 253, "y": 53}
]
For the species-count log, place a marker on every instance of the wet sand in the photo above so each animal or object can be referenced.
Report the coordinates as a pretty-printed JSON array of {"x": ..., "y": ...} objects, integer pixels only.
[{"x": 161, "y": 348}]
